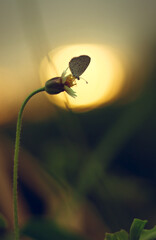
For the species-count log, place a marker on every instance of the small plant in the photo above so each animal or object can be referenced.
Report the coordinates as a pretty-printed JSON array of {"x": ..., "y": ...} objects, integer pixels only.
[
  {"x": 55, "y": 85},
  {"x": 137, "y": 232},
  {"x": 64, "y": 83}
]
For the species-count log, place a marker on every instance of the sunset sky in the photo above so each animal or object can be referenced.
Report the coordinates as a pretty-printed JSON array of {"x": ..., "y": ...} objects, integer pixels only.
[{"x": 32, "y": 29}]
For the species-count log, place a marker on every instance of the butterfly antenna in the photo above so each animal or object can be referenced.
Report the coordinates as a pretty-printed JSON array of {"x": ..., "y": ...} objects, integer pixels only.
[{"x": 84, "y": 80}]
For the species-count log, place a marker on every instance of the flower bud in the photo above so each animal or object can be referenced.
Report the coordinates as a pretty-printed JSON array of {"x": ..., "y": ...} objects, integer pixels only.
[{"x": 54, "y": 85}]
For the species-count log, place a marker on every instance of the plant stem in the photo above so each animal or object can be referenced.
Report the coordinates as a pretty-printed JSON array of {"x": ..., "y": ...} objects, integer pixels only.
[{"x": 15, "y": 169}]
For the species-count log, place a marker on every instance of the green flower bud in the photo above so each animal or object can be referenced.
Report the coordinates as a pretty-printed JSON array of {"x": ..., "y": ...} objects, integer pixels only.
[{"x": 54, "y": 85}]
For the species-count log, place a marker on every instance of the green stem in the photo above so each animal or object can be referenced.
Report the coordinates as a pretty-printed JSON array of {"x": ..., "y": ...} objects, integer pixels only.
[{"x": 15, "y": 170}]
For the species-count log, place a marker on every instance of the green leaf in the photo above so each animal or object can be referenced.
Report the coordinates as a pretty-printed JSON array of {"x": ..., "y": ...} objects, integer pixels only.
[
  {"x": 46, "y": 229},
  {"x": 136, "y": 229},
  {"x": 148, "y": 234},
  {"x": 121, "y": 235}
]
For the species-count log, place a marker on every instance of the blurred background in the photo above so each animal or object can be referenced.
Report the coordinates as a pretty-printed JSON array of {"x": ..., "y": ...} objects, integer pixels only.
[{"x": 87, "y": 165}]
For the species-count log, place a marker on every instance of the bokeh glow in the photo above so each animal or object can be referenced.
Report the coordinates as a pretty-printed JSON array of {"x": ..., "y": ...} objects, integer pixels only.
[{"x": 105, "y": 75}]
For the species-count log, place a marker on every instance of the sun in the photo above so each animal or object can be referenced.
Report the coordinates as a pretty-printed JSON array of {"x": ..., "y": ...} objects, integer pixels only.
[{"x": 105, "y": 75}]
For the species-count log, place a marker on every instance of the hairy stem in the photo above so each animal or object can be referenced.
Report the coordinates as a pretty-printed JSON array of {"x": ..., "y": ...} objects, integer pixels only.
[{"x": 15, "y": 169}]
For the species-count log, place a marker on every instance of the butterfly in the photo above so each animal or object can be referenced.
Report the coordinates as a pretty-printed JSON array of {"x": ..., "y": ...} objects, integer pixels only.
[{"x": 78, "y": 65}]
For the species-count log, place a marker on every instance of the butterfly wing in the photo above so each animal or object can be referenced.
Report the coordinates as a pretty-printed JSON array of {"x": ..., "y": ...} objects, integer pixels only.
[{"x": 78, "y": 65}]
